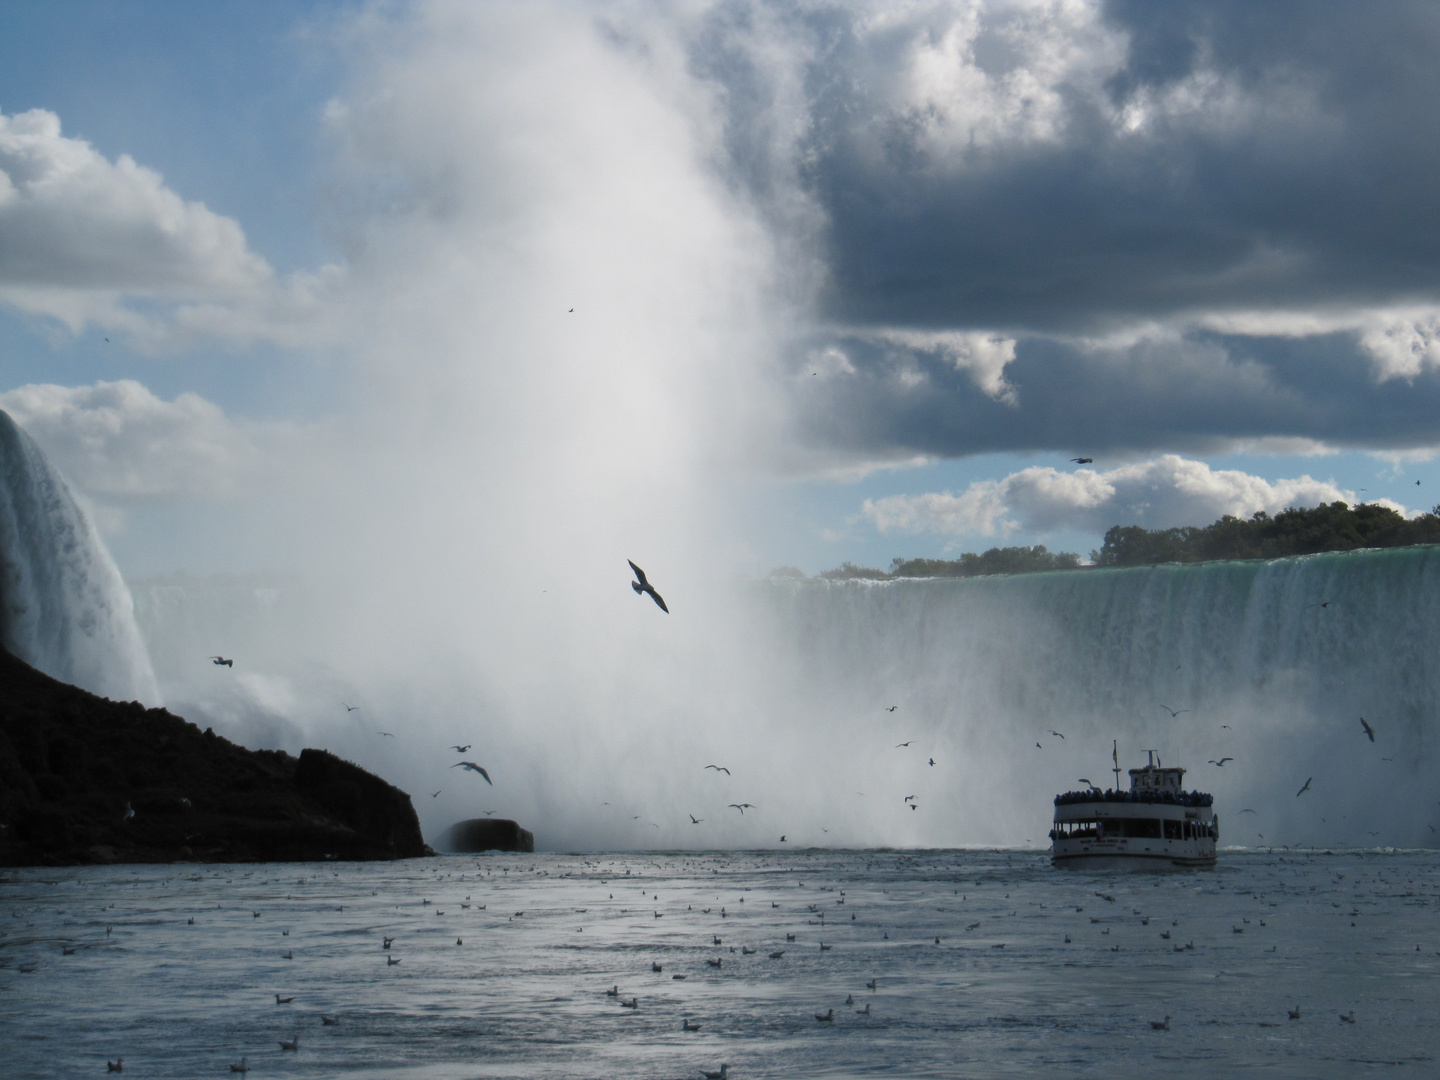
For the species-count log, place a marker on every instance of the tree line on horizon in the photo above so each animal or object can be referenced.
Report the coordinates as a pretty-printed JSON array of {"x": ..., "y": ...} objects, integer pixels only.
[{"x": 1334, "y": 526}]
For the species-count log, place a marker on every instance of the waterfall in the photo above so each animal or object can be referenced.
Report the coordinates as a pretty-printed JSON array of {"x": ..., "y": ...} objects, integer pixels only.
[
  {"x": 1269, "y": 663},
  {"x": 63, "y": 606}
]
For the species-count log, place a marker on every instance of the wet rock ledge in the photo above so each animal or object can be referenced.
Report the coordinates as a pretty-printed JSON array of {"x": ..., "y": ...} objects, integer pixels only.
[{"x": 84, "y": 779}]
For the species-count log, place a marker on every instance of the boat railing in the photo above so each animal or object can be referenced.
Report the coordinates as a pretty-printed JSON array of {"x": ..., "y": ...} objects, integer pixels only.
[{"x": 1173, "y": 798}]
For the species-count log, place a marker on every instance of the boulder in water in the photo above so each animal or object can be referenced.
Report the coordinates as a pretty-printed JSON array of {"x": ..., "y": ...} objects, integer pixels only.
[{"x": 487, "y": 834}]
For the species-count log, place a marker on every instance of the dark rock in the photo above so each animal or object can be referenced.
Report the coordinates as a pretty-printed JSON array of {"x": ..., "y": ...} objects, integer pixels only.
[
  {"x": 74, "y": 766},
  {"x": 487, "y": 834}
]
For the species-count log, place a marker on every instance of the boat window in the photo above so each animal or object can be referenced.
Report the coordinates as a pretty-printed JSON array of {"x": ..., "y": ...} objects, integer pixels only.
[
  {"x": 1138, "y": 828},
  {"x": 1172, "y": 829}
]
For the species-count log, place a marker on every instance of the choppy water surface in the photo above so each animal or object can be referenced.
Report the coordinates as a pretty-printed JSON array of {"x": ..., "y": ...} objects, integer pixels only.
[{"x": 1001, "y": 993}]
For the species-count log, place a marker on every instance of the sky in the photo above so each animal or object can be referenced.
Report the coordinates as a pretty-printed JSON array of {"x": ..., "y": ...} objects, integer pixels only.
[{"x": 849, "y": 281}]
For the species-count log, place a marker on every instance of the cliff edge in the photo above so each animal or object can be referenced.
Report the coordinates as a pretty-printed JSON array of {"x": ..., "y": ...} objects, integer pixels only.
[{"x": 84, "y": 779}]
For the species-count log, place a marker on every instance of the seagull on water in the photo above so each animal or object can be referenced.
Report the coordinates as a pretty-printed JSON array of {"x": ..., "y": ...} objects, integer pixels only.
[
  {"x": 283, "y": 1000},
  {"x": 329, "y": 1021},
  {"x": 719, "y": 768},
  {"x": 243, "y": 1067},
  {"x": 686, "y": 1025},
  {"x": 643, "y": 586},
  {"x": 1304, "y": 789},
  {"x": 1161, "y": 1025},
  {"x": 220, "y": 661},
  {"x": 827, "y": 1018},
  {"x": 723, "y": 1074},
  {"x": 474, "y": 768},
  {"x": 1369, "y": 731},
  {"x": 290, "y": 1044},
  {"x": 1294, "y": 1013},
  {"x": 118, "y": 1065}
]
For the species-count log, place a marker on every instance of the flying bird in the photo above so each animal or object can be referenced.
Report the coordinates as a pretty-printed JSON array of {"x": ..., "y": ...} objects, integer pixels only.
[
  {"x": 898, "y": 745},
  {"x": 932, "y": 761},
  {"x": 908, "y": 798},
  {"x": 1173, "y": 712},
  {"x": 475, "y": 768},
  {"x": 387, "y": 734},
  {"x": 1039, "y": 747},
  {"x": 644, "y": 586},
  {"x": 1092, "y": 786},
  {"x": 436, "y": 794},
  {"x": 1083, "y": 460},
  {"x": 1221, "y": 762},
  {"x": 719, "y": 768},
  {"x": 892, "y": 708},
  {"x": 1057, "y": 734},
  {"x": 1304, "y": 789},
  {"x": 1369, "y": 731},
  {"x": 462, "y": 749},
  {"x": 695, "y": 820},
  {"x": 350, "y": 708},
  {"x": 219, "y": 660},
  {"x": 743, "y": 806},
  {"x": 1325, "y": 603}
]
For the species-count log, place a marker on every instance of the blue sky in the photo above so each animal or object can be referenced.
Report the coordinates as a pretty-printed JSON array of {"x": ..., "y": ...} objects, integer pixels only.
[{"x": 875, "y": 277}]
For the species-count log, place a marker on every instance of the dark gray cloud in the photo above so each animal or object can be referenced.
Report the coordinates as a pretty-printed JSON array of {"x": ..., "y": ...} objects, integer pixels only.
[
  {"x": 1123, "y": 171},
  {"x": 1201, "y": 393}
]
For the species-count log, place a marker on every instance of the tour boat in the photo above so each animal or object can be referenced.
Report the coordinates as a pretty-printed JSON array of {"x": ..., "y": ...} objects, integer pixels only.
[{"x": 1156, "y": 825}]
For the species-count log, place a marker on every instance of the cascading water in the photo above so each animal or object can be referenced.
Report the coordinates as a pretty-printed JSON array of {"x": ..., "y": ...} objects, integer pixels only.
[
  {"x": 63, "y": 606},
  {"x": 1271, "y": 664}
]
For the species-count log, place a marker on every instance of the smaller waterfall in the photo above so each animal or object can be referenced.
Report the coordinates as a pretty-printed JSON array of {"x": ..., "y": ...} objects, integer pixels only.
[{"x": 63, "y": 606}]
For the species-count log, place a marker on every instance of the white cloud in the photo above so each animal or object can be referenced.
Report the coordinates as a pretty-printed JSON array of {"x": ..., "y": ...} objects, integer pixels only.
[
  {"x": 1161, "y": 493},
  {"x": 979, "y": 355},
  {"x": 117, "y": 441}
]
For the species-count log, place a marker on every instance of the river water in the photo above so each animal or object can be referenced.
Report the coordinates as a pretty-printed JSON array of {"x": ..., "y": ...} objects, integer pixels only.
[{"x": 505, "y": 960}]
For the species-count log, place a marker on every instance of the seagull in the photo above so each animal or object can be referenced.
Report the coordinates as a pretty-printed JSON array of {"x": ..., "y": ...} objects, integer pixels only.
[
  {"x": 892, "y": 708},
  {"x": 462, "y": 749},
  {"x": 1349, "y": 1017},
  {"x": 489, "y": 812},
  {"x": 1092, "y": 785},
  {"x": 743, "y": 806},
  {"x": 329, "y": 1021},
  {"x": 350, "y": 708},
  {"x": 1039, "y": 747},
  {"x": 1173, "y": 712},
  {"x": 118, "y": 1065},
  {"x": 243, "y": 1067},
  {"x": 1083, "y": 460},
  {"x": 782, "y": 838},
  {"x": 220, "y": 660},
  {"x": 436, "y": 794},
  {"x": 1247, "y": 810},
  {"x": 686, "y": 1025},
  {"x": 899, "y": 745},
  {"x": 695, "y": 820},
  {"x": 1304, "y": 789},
  {"x": 827, "y": 1018},
  {"x": 390, "y": 961},
  {"x": 1161, "y": 1025},
  {"x": 474, "y": 768},
  {"x": 908, "y": 798},
  {"x": 290, "y": 1044},
  {"x": 723, "y": 1074},
  {"x": 1369, "y": 731},
  {"x": 1324, "y": 604},
  {"x": 1294, "y": 1013},
  {"x": 284, "y": 1000},
  {"x": 932, "y": 762},
  {"x": 387, "y": 734},
  {"x": 719, "y": 768},
  {"x": 1221, "y": 762},
  {"x": 644, "y": 586},
  {"x": 1056, "y": 733}
]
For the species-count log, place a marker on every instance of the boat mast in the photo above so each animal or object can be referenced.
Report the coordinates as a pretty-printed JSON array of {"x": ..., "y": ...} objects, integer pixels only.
[{"x": 1115, "y": 757}]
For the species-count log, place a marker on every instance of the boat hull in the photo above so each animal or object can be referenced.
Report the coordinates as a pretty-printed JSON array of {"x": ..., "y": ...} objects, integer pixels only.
[{"x": 1143, "y": 862}]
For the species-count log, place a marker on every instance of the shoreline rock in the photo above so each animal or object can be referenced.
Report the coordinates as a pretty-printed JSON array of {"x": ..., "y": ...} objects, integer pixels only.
[
  {"x": 84, "y": 779},
  {"x": 486, "y": 834}
]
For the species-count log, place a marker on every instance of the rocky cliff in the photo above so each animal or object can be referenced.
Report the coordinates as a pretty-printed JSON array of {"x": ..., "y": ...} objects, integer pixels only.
[{"x": 84, "y": 779}]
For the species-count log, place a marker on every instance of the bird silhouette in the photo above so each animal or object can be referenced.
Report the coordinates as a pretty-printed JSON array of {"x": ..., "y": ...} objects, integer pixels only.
[
  {"x": 118, "y": 1065},
  {"x": 1057, "y": 734},
  {"x": 1221, "y": 762},
  {"x": 900, "y": 744},
  {"x": 436, "y": 794},
  {"x": 643, "y": 586},
  {"x": 695, "y": 820},
  {"x": 1083, "y": 460},
  {"x": 219, "y": 660},
  {"x": 1173, "y": 712},
  {"x": 350, "y": 708},
  {"x": 387, "y": 734},
  {"x": 719, "y": 768},
  {"x": 462, "y": 749},
  {"x": 743, "y": 806},
  {"x": 1369, "y": 731},
  {"x": 1304, "y": 789},
  {"x": 474, "y": 768},
  {"x": 892, "y": 708},
  {"x": 932, "y": 761}
]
